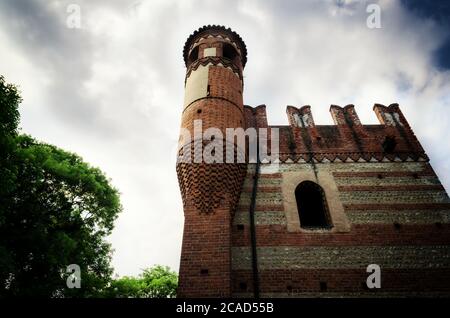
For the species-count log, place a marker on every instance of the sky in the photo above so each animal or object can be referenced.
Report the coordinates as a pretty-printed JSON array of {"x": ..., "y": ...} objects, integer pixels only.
[{"x": 112, "y": 89}]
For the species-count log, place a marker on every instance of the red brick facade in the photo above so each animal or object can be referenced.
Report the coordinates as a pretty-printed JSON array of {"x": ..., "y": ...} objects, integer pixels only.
[{"x": 395, "y": 212}]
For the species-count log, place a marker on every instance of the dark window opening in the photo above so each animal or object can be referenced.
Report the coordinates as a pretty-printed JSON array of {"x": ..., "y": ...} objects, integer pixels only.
[
  {"x": 415, "y": 176},
  {"x": 312, "y": 206},
  {"x": 193, "y": 56},
  {"x": 380, "y": 176},
  {"x": 204, "y": 271},
  {"x": 229, "y": 52},
  {"x": 323, "y": 286},
  {"x": 289, "y": 288},
  {"x": 240, "y": 227},
  {"x": 199, "y": 111},
  {"x": 243, "y": 286},
  {"x": 389, "y": 144},
  {"x": 438, "y": 225},
  {"x": 397, "y": 225}
]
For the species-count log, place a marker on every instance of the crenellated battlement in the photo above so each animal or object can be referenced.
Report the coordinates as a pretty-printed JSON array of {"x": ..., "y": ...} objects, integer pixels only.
[
  {"x": 348, "y": 140},
  {"x": 387, "y": 115}
]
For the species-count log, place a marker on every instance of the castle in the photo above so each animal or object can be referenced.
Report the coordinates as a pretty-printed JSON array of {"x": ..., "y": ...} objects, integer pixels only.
[{"x": 340, "y": 200}]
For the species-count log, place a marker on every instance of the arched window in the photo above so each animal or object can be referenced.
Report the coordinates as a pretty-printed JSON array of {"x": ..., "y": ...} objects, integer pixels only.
[
  {"x": 312, "y": 206},
  {"x": 229, "y": 52}
]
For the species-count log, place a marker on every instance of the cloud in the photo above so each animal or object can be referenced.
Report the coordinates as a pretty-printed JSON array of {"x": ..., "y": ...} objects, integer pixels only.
[
  {"x": 437, "y": 12},
  {"x": 112, "y": 91}
]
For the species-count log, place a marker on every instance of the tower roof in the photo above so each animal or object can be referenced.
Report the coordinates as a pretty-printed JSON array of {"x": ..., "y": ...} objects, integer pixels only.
[{"x": 219, "y": 29}]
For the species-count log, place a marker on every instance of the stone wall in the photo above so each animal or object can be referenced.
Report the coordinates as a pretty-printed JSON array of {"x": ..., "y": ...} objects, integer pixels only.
[{"x": 398, "y": 216}]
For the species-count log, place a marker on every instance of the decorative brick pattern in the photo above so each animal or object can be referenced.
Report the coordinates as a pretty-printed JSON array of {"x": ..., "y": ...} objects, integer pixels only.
[
  {"x": 403, "y": 217},
  {"x": 374, "y": 168},
  {"x": 206, "y": 61},
  {"x": 373, "y": 234},
  {"x": 394, "y": 197},
  {"x": 386, "y": 181},
  {"x": 213, "y": 190},
  {"x": 325, "y": 257},
  {"x": 344, "y": 283},
  {"x": 266, "y": 218},
  {"x": 262, "y": 198}
]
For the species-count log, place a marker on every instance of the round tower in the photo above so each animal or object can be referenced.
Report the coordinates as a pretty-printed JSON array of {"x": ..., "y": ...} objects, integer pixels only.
[{"x": 215, "y": 58}]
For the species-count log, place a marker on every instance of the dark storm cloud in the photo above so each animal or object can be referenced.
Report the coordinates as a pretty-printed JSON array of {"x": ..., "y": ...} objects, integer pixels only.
[
  {"x": 32, "y": 23},
  {"x": 63, "y": 54},
  {"x": 439, "y": 12}
]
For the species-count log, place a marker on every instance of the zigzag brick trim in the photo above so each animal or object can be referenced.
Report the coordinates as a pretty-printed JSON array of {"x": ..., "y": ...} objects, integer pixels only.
[{"x": 214, "y": 60}]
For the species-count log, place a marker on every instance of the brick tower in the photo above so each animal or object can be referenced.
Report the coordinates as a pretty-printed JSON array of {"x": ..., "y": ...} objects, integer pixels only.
[
  {"x": 343, "y": 197},
  {"x": 215, "y": 58}
]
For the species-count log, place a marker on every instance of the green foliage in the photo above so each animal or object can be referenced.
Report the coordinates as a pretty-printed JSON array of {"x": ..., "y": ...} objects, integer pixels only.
[
  {"x": 55, "y": 210},
  {"x": 9, "y": 119},
  {"x": 9, "y": 107},
  {"x": 155, "y": 282}
]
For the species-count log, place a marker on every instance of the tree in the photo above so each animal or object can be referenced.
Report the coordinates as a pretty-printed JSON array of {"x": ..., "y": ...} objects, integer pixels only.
[
  {"x": 155, "y": 282},
  {"x": 55, "y": 210},
  {"x": 9, "y": 103},
  {"x": 9, "y": 119}
]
